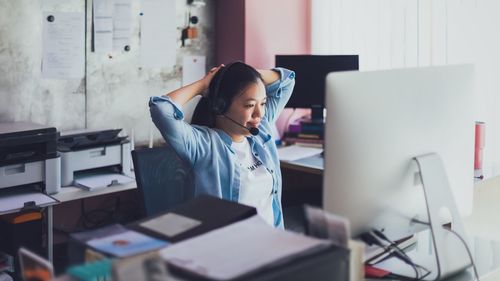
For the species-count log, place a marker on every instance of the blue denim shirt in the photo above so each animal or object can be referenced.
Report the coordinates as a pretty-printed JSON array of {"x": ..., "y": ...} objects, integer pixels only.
[{"x": 209, "y": 152}]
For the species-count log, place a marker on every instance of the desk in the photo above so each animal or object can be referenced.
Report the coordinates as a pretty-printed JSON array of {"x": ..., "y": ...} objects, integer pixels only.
[
  {"x": 313, "y": 165},
  {"x": 71, "y": 193},
  {"x": 302, "y": 183},
  {"x": 482, "y": 225}
]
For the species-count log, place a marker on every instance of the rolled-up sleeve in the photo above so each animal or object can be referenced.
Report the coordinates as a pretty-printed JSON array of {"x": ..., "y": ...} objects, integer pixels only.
[
  {"x": 181, "y": 136},
  {"x": 278, "y": 93}
]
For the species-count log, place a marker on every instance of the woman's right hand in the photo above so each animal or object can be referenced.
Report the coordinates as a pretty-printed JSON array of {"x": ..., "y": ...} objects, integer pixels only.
[{"x": 208, "y": 78}]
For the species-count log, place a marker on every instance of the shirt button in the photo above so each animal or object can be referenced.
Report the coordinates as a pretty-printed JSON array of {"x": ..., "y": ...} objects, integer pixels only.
[{"x": 272, "y": 171}]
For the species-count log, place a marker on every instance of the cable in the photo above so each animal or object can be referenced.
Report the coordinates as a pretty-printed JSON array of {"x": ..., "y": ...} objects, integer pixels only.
[
  {"x": 461, "y": 240},
  {"x": 404, "y": 256},
  {"x": 371, "y": 239},
  {"x": 466, "y": 248},
  {"x": 88, "y": 217}
]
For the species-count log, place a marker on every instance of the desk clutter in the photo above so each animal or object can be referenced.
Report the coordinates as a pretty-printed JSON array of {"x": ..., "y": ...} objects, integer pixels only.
[
  {"x": 37, "y": 160},
  {"x": 230, "y": 243},
  {"x": 308, "y": 132}
]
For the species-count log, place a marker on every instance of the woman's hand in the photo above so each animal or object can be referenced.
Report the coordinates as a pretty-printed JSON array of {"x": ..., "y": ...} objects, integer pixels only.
[
  {"x": 208, "y": 78},
  {"x": 269, "y": 76}
]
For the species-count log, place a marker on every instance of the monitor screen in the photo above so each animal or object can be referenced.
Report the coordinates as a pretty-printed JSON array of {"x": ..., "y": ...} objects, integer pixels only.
[
  {"x": 311, "y": 71},
  {"x": 376, "y": 123}
]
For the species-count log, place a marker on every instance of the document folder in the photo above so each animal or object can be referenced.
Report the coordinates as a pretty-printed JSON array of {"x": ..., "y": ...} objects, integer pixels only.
[{"x": 211, "y": 212}]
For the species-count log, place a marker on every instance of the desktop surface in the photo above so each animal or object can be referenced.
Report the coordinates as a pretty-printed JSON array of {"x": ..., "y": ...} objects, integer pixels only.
[{"x": 315, "y": 162}]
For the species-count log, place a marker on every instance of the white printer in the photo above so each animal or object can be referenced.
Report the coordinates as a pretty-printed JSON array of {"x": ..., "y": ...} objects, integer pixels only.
[
  {"x": 84, "y": 150},
  {"x": 28, "y": 156}
]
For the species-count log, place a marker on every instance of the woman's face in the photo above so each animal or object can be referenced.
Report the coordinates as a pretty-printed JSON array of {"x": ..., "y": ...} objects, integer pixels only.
[{"x": 247, "y": 108}]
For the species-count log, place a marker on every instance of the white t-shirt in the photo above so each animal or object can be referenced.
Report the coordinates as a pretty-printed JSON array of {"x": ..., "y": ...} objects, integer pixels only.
[{"x": 256, "y": 182}]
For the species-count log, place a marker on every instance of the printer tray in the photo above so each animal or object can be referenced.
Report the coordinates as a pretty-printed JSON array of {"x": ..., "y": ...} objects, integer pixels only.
[{"x": 24, "y": 199}]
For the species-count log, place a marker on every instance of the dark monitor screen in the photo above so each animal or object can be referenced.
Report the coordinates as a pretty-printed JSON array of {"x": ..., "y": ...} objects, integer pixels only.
[{"x": 311, "y": 71}]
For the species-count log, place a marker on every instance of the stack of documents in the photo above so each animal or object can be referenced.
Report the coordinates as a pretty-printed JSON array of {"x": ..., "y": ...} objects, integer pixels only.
[
  {"x": 296, "y": 152},
  {"x": 239, "y": 249}
]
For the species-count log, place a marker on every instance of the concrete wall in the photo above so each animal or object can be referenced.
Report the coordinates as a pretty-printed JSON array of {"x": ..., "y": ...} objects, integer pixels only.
[{"x": 116, "y": 90}]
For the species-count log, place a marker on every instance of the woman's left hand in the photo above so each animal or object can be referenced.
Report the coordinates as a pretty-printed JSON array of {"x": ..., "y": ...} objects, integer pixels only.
[{"x": 208, "y": 78}]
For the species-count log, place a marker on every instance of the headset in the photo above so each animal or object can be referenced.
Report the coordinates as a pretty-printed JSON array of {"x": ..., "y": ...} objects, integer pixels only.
[{"x": 219, "y": 104}]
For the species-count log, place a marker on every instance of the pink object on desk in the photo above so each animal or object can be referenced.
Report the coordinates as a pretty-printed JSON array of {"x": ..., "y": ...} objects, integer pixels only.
[
  {"x": 479, "y": 146},
  {"x": 294, "y": 127}
]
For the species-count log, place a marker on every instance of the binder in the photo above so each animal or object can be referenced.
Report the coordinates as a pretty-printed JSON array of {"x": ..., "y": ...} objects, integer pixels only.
[{"x": 211, "y": 212}]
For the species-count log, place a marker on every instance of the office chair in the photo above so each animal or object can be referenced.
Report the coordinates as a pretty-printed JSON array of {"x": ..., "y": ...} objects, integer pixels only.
[{"x": 163, "y": 179}]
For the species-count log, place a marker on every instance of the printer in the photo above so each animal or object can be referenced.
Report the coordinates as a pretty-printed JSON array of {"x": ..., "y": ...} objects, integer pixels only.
[
  {"x": 84, "y": 150},
  {"x": 28, "y": 155}
]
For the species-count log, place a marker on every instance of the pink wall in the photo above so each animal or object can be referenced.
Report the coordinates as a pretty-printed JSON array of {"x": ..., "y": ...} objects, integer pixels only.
[
  {"x": 276, "y": 27},
  {"x": 254, "y": 31}
]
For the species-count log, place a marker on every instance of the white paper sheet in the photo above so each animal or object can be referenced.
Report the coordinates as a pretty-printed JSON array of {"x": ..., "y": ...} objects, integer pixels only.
[
  {"x": 158, "y": 33},
  {"x": 122, "y": 19},
  {"x": 296, "y": 152},
  {"x": 91, "y": 182},
  {"x": 16, "y": 201},
  {"x": 103, "y": 26},
  {"x": 63, "y": 45},
  {"x": 171, "y": 224},
  {"x": 251, "y": 244},
  {"x": 52, "y": 3},
  {"x": 193, "y": 69}
]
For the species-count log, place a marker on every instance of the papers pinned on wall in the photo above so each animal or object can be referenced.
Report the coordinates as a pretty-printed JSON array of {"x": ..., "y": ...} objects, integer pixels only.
[
  {"x": 63, "y": 45},
  {"x": 103, "y": 25},
  {"x": 193, "y": 69},
  {"x": 112, "y": 25},
  {"x": 158, "y": 34},
  {"x": 122, "y": 22}
]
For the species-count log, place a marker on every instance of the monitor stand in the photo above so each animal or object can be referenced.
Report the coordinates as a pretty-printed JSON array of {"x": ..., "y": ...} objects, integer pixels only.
[{"x": 450, "y": 253}]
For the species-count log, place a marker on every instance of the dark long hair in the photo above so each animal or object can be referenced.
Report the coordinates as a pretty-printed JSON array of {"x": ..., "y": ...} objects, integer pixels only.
[{"x": 226, "y": 84}]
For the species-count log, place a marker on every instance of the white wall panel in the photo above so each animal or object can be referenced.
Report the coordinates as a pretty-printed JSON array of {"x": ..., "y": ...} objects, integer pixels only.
[
  {"x": 397, "y": 31},
  {"x": 409, "y": 33},
  {"x": 438, "y": 34}
]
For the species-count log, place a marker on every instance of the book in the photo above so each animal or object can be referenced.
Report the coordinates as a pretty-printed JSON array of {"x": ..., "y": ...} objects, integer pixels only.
[{"x": 126, "y": 244}]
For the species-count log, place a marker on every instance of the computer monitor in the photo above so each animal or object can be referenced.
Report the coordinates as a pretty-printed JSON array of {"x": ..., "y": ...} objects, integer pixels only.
[
  {"x": 311, "y": 71},
  {"x": 376, "y": 123}
]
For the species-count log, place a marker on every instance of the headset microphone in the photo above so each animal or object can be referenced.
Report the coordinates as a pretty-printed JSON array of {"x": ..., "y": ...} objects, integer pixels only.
[{"x": 253, "y": 130}]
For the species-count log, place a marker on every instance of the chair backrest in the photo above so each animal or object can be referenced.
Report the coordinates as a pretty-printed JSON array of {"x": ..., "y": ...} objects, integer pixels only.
[{"x": 163, "y": 179}]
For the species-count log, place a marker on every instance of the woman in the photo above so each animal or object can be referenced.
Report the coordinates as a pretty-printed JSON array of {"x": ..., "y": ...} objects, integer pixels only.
[{"x": 229, "y": 146}]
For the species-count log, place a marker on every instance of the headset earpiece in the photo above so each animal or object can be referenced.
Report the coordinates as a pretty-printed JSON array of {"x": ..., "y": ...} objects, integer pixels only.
[{"x": 219, "y": 106}]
